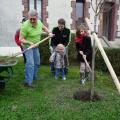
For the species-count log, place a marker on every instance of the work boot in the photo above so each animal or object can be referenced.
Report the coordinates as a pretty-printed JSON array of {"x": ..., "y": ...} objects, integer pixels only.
[
  {"x": 29, "y": 86},
  {"x": 82, "y": 78},
  {"x": 87, "y": 75}
]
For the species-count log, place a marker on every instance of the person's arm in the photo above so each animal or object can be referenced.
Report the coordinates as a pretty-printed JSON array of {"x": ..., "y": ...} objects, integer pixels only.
[
  {"x": 88, "y": 46},
  {"x": 53, "y": 40},
  {"x": 52, "y": 57},
  {"x": 23, "y": 40},
  {"x": 65, "y": 40},
  {"x": 23, "y": 34},
  {"x": 79, "y": 47},
  {"x": 47, "y": 31},
  {"x": 69, "y": 39}
]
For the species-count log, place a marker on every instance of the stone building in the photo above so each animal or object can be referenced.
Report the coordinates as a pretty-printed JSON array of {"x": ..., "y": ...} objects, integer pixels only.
[{"x": 73, "y": 11}]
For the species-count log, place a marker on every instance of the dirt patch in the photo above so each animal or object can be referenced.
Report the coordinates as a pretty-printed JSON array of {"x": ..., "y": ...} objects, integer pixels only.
[
  {"x": 7, "y": 62},
  {"x": 85, "y": 95}
]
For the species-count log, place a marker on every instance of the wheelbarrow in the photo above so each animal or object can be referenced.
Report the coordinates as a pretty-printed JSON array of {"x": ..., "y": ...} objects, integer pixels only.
[{"x": 6, "y": 66}]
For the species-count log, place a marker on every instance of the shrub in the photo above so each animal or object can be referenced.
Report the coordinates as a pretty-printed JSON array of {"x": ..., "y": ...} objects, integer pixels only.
[
  {"x": 113, "y": 55},
  {"x": 44, "y": 50}
]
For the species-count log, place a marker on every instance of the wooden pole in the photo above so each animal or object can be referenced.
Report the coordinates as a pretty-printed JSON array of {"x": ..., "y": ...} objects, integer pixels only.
[
  {"x": 109, "y": 66},
  {"x": 34, "y": 45}
]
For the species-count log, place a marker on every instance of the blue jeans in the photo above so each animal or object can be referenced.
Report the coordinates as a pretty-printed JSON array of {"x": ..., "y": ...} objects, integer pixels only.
[
  {"x": 32, "y": 64},
  {"x": 52, "y": 68},
  {"x": 58, "y": 72}
]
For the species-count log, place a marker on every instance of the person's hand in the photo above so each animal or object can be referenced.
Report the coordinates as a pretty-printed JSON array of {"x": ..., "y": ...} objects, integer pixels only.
[
  {"x": 84, "y": 56},
  {"x": 81, "y": 52},
  {"x": 30, "y": 43},
  {"x": 51, "y": 34}
]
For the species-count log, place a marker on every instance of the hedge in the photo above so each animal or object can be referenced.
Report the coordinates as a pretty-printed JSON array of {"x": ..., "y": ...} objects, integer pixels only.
[{"x": 113, "y": 55}]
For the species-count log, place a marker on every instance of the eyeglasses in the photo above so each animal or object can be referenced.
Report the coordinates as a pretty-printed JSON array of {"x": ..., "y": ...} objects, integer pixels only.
[{"x": 32, "y": 19}]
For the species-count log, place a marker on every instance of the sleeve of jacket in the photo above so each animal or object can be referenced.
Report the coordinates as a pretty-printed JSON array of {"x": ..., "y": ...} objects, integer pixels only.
[
  {"x": 67, "y": 41},
  {"x": 52, "y": 57},
  {"x": 53, "y": 39},
  {"x": 88, "y": 46},
  {"x": 79, "y": 47}
]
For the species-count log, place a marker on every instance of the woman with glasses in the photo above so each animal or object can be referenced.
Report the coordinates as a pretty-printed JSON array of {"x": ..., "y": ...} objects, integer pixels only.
[{"x": 30, "y": 34}]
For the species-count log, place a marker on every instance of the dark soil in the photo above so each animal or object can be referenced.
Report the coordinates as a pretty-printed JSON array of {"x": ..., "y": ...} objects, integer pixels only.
[
  {"x": 85, "y": 95},
  {"x": 7, "y": 62}
]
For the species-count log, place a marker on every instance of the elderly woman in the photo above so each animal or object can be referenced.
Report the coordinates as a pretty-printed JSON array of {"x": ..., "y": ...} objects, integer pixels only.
[{"x": 30, "y": 34}]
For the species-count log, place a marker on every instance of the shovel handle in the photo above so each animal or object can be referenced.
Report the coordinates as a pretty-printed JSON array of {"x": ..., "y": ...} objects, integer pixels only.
[
  {"x": 34, "y": 45},
  {"x": 81, "y": 52}
]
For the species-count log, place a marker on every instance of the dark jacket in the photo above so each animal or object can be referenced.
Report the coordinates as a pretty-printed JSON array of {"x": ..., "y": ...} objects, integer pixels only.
[
  {"x": 61, "y": 37},
  {"x": 86, "y": 47}
]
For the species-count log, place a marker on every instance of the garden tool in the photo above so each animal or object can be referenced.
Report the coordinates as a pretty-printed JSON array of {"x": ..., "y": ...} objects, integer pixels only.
[
  {"x": 86, "y": 76},
  {"x": 86, "y": 62},
  {"x": 82, "y": 78},
  {"x": 32, "y": 46}
]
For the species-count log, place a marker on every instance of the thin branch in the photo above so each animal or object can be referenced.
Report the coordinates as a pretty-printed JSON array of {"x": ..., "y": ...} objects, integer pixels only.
[
  {"x": 92, "y": 6},
  {"x": 101, "y": 7}
]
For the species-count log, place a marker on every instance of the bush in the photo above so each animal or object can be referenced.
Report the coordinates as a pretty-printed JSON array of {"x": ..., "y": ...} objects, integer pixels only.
[
  {"x": 45, "y": 51},
  {"x": 113, "y": 55}
]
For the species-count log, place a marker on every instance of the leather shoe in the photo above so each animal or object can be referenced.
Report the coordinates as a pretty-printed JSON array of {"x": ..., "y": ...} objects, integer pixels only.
[{"x": 29, "y": 86}]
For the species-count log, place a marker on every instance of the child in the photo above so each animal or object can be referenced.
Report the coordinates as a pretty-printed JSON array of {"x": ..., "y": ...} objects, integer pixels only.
[
  {"x": 58, "y": 58},
  {"x": 61, "y": 36},
  {"x": 83, "y": 44}
]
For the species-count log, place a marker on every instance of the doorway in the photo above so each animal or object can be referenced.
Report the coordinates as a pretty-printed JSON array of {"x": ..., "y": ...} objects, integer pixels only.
[{"x": 108, "y": 21}]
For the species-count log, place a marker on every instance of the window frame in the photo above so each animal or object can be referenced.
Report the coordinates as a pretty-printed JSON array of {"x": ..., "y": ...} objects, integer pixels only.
[{"x": 35, "y": 7}]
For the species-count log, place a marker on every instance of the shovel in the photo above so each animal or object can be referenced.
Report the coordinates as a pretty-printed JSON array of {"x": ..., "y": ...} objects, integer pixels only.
[
  {"x": 33, "y": 46},
  {"x": 86, "y": 62}
]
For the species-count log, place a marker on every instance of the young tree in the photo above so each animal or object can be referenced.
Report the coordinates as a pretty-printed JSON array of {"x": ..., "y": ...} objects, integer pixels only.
[{"x": 98, "y": 6}]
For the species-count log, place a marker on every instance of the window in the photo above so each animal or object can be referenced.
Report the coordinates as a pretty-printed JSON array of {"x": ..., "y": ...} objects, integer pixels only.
[
  {"x": 36, "y": 4},
  {"x": 79, "y": 11}
]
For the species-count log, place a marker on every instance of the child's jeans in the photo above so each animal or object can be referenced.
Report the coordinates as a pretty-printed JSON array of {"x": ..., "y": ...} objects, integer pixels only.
[
  {"x": 58, "y": 72},
  {"x": 52, "y": 68}
]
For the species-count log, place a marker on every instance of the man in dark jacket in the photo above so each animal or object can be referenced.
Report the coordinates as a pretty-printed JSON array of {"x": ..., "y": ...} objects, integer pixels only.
[{"x": 61, "y": 36}]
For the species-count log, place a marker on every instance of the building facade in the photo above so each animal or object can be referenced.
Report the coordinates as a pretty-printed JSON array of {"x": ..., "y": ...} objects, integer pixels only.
[{"x": 49, "y": 11}]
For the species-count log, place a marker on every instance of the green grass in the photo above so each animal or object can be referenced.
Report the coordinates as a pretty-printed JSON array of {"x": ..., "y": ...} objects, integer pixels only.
[{"x": 53, "y": 99}]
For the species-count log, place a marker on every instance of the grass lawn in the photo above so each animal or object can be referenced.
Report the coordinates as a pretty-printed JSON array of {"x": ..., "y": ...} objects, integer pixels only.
[{"x": 53, "y": 99}]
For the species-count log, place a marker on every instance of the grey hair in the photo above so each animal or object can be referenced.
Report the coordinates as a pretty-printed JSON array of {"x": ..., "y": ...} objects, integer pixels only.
[{"x": 32, "y": 13}]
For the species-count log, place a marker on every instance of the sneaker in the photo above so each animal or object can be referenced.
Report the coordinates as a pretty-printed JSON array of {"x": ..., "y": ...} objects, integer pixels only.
[
  {"x": 87, "y": 76},
  {"x": 29, "y": 86},
  {"x": 64, "y": 78},
  {"x": 56, "y": 77},
  {"x": 35, "y": 78},
  {"x": 82, "y": 81}
]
